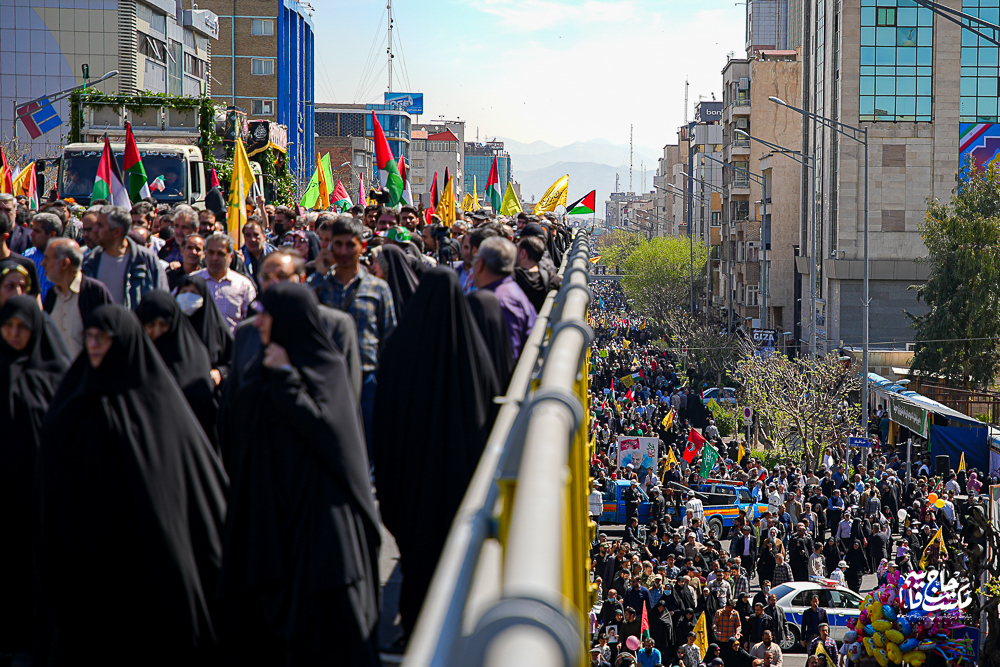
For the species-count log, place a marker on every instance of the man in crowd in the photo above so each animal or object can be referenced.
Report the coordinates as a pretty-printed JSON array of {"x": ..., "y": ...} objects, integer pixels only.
[
  {"x": 813, "y": 620},
  {"x": 44, "y": 227},
  {"x": 342, "y": 283},
  {"x": 194, "y": 260},
  {"x": 185, "y": 222},
  {"x": 73, "y": 296},
  {"x": 231, "y": 291},
  {"x": 127, "y": 269},
  {"x": 492, "y": 271},
  {"x": 87, "y": 223},
  {"x": 255, "y": 247}
]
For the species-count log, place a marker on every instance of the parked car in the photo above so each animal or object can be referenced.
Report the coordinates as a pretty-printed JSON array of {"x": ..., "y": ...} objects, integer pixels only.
[
  {"x": 841, "y": 604},
  {"x": 722, "y": 502}
]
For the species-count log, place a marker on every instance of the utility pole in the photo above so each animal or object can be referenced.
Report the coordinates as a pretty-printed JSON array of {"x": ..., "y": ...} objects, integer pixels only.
[
  {"x": 630, "y": 159},
  {"x": 686, "y": 102},
  {"x": 389, "y": 49}
]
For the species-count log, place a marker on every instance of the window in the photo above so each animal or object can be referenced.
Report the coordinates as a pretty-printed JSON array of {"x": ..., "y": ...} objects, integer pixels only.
[
  {"x": 716, "y": 218},
  {"x": 897, "y": 54},
  {"x": 419, "y": 145},
  {"x": 262, "y": 66},
  {"x": 151, "y": 47},
  {"x": 752, "y": 293},
  {"x": 418, "y": 164},
  {"x": 262, "y": 27},
  {"x": 979, "y": 74},
  {"x": 262, "y": 107},
  {"x": 189, "y": 39},
  {"x": 419, "y": 180},
  {"x": 194, "y": 66}
]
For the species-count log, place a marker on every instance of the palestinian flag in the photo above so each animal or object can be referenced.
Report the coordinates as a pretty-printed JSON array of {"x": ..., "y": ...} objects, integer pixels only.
[
  {"x": 388, "y": 173},
  {"x": 340, "y": 197},
  {"x": 109, "y": 183},
  {"x": 585, "y": 204},
  {"x": 695, "y": 443},
  {"x": 644, "y": 624},
  {"x": 493, "y": 187},
  {"x": 135, "y": 174},
  {"x": 407, "y": 196}
]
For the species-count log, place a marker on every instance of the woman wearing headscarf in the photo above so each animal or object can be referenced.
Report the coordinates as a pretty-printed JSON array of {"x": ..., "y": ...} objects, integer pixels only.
[
  {"x": 184, "y": 354},
  {"x": 300, "y": 569},
  {"x": 857, "y": 565},
  {"x": 33, "y": 358},
  {"x": 486, "y": 310},
  {"x": 831, "y": 554},
  {"x": 15, "y": 280},
  {"x": 684, "y": 624},
  {"x": 132, "y": 501},
  {"x": 433, "y": 412},
  {"x": 765, "y": 561},
  {"x": 734, "y": 655},
  {"x": 395, "y": 267},
  {"x": 661, "y": 627},
  {"x": 208, "y": 323}
]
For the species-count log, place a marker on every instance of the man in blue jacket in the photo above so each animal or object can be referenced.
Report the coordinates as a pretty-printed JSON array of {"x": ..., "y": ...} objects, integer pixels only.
[{"x": 127, "y": 269}]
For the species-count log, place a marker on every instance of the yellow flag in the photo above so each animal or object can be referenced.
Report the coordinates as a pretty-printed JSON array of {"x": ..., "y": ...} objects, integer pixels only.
[
  {"x": 939, "y": 538},
  {"x": 468, "y": 203},
  {"x": 627, "y": 380},
  {"x": 821, "y": 650},
  {"x": 323, "y": 202},
  {"x": 22, "y": 182},
  {"x": 239, "y": 189},
  {"x": 510, "y": 205},
  {"x": 743, "y": 452},
  {"x": 701, "y": 635},
  {"x": 961, "y": 463},
  {"x": 475, "y": 194},
  {"x": 446, "y": 205},
  {"x": 670, "y": 455},
  {"x": 626, "y": 343},
  {"x": 667, "y": 422},
  {"x": 554, "y": 196}
]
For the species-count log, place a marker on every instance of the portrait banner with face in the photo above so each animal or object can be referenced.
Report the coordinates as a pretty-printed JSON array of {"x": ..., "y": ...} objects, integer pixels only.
[{"x": 640, "y": 452}]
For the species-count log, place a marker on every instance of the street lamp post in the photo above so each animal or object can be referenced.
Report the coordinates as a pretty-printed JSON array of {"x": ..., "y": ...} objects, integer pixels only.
[
  {"x": 708, "y": 238},
  {"x": 810, "y": 162},
  {"x": 860, "y": 135},
  {"x": 55, "y": 97},
  {"x": 677, "y": 192},
  {"x": 757, "y": 178}
]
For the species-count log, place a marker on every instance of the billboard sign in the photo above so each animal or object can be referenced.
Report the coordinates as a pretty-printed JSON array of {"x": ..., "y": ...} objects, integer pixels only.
[
  {"x": 410, "y": 102},
  {"x": 764, "y": 337},
  {"x": 706, "y": 112}
]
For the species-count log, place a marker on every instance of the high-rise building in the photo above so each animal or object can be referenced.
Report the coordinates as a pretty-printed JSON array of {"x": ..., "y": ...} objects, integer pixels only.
[
  {"x": 155, "y": 45},
  {"x": 926, "y": 90},
  {"x": 747, "y": 83},
  {"x": 479, "y": 162},
  {"x": 435, "y": 147},
  {"x": 263, "y": 62}
]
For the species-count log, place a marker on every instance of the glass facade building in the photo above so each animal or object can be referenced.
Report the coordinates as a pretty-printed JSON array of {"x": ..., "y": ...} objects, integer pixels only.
[
  {"x": 897, "y": 61},
  {"x": 479, "y": 162},
  {"x": 980, "y": 62}
]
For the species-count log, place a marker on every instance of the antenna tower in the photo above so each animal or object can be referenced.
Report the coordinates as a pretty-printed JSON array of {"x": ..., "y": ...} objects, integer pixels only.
[
  {"x": 389, "y": 49},
  {"x": 630, "y": 159},
  {"x": 685, "y": 102}
]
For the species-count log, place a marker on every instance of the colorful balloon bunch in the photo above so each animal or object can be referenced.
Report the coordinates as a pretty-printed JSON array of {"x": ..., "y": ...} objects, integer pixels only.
[
  {"x": 894, "y": 635},
  {"x": 934, "y": 500}
]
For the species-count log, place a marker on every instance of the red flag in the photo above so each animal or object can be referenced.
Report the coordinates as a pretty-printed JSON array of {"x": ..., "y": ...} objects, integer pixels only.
[
  {"x": 6, "y": 176},
  {"x": 644, "y": 625},
  {"x": 695, "y": 443}
]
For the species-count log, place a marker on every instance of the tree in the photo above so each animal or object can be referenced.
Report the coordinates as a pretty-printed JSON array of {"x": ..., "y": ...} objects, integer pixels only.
[
  {"x": 958, "y": 337},
  {"x": 659, "y": 275},
  {"x": 708, "y": 345},
  {"x": 615, "y": 246},
  {"x": 802, "y": 403}
]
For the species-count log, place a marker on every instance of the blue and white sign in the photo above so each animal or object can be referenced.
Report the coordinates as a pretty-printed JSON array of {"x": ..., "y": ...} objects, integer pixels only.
[
  {"x": 858, "y": 442},
  {"x": 410, "y": 102}
]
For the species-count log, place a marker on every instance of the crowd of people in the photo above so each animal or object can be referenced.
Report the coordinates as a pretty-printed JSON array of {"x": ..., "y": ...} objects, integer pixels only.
[
  {"x": 201, "y": 437},
  {"x": 837, "y": 520}
]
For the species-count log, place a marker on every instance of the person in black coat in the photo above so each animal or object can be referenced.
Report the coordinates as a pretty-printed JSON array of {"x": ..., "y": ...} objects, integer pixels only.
[
  {"x": 661, "y": 627},
  {"x": 757, "y": 624},
  {"x": 857, "y": 565},
  {"x": 812, "y": 618},
  {"x": 64, "y": 275},
  {"x": 765, "y": 562}
]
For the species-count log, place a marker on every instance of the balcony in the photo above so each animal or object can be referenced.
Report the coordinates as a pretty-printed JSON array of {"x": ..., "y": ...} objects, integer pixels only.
[
  {"x": 741, "y": 107},
  {"x": 738, "y": 187}
]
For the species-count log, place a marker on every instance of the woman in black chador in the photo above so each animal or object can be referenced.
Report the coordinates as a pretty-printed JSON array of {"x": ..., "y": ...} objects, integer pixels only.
[
  {"x": 132, "y": 501},
  {"x": 300, "y": 568}
]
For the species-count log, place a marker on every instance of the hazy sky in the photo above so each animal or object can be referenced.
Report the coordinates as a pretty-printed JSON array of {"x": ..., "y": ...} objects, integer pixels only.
[{"x": 555, "y": 70}]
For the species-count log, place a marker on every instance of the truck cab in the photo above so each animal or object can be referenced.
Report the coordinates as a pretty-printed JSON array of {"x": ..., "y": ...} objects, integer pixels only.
[
  {"x": 723, "y": 500},
  {"x": 614, "y": 504},
  {"x": 181, "y": 167}
]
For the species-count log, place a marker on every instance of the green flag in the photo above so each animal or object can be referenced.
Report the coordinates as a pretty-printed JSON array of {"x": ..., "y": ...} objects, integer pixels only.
[
  {"x": 708, "y": 458},
  {"x": 311, "y": 196}
]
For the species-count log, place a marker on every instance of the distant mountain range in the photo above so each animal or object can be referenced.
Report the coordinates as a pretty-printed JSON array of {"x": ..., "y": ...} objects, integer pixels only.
[
  {"x": 591, "y": 165},
  {"x": 583, "y": 177}
]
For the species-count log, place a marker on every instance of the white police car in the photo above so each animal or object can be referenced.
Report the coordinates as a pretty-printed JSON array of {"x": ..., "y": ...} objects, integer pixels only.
[{"x": 841, "y": 605}]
